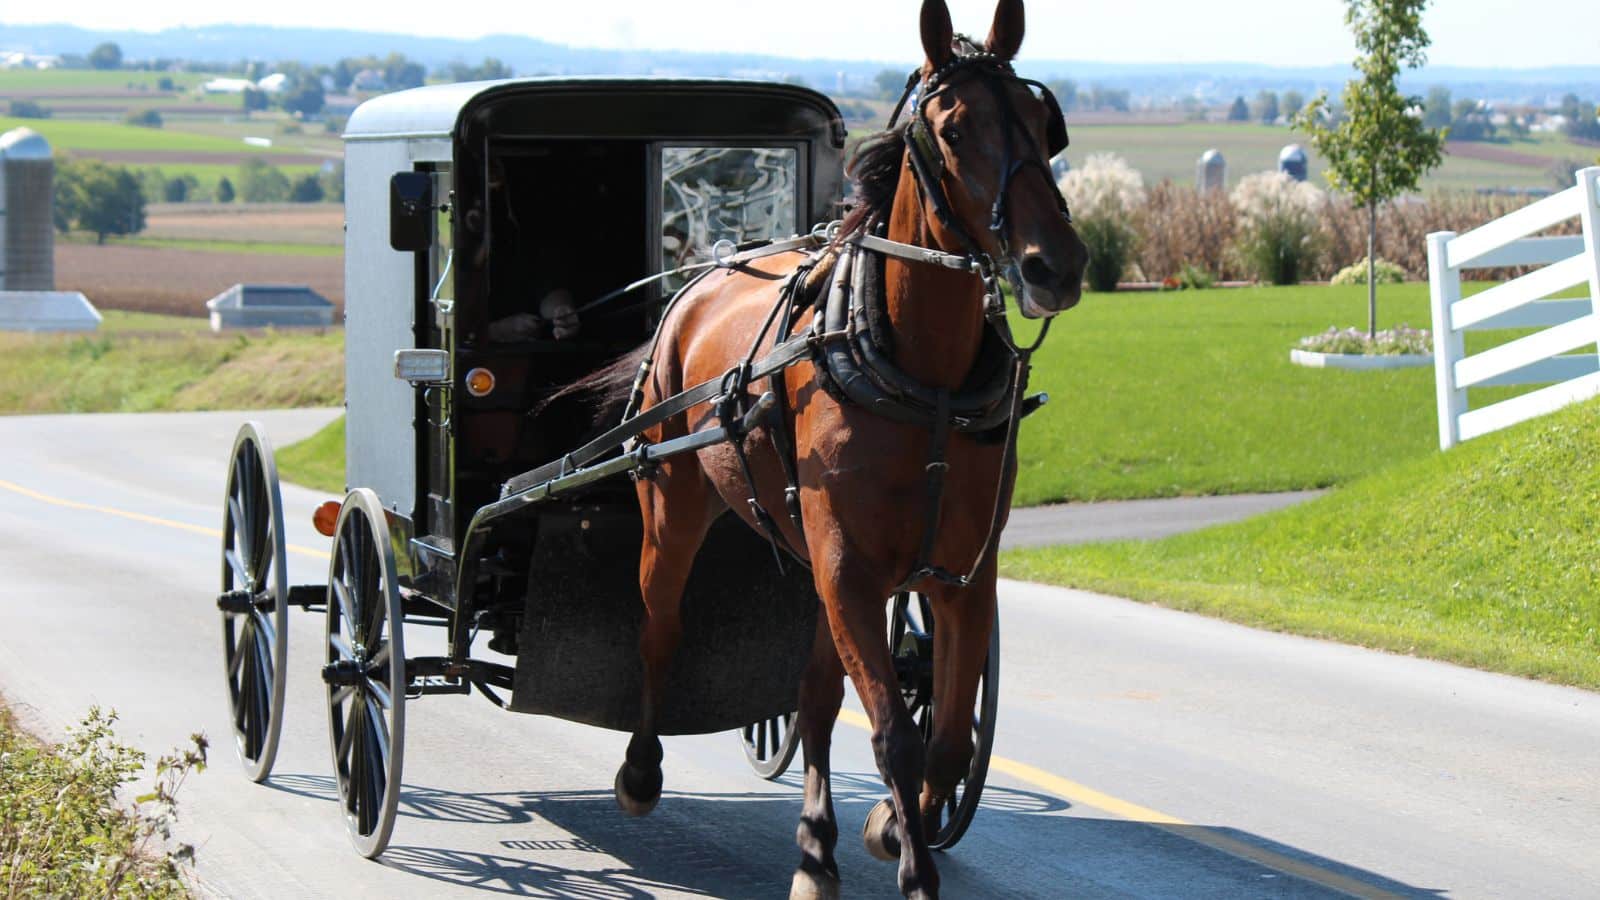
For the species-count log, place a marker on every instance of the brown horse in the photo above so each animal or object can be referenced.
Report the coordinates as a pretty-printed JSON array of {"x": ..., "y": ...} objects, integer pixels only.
[{"x": 861, "y": 476}]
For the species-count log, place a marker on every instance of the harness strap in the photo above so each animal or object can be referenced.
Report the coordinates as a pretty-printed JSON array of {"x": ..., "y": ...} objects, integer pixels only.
[
  {"x": 933, "y": 493},
  {"x": 782, "y": 356}
]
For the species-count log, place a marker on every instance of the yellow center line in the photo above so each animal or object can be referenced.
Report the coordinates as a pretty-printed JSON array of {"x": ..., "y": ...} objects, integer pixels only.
[
  {"x": 1065, "y": 788},
  {"x": 141, "y": 517},
  {"x": 1084, "y": 795}
]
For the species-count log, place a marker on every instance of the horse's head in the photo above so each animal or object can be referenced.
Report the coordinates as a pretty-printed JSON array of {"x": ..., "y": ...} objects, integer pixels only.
[{"x": 980, "y": 141}]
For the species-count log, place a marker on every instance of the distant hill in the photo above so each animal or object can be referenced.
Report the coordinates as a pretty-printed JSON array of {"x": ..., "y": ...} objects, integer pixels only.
[{"x": 531, "y": 56}]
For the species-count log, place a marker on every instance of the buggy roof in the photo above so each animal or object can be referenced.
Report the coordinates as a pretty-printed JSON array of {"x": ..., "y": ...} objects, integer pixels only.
[{"x": 438, "y": 111}]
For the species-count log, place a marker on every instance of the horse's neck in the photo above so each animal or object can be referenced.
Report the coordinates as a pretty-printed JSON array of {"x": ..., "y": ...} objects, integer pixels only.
[{"x": 936, "y": 313}]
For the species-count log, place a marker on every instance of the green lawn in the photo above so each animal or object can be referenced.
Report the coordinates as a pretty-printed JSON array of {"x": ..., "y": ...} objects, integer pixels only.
[
  {"x": 1483, "y": 556},
  {"x": 1192, "y": 392},
  {"x": 316, "y": 462}
]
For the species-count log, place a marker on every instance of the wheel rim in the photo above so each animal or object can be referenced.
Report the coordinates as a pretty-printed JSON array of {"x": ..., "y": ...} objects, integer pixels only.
[
  {"x": 911, "y": 639},
  {"x": 365, "y": 654},
  {"x": 770, "y": 745},
  {"x": 254, "y": 641}
]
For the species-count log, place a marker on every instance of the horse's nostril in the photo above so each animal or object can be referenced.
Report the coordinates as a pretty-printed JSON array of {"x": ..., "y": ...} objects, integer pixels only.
[{"x": 1036, "y": 271}]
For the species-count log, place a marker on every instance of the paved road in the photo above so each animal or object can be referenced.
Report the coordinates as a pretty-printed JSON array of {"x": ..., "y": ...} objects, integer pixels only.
[
  {"x": 1077, "y": 523},
  {"x": 1141, "y": 752}
]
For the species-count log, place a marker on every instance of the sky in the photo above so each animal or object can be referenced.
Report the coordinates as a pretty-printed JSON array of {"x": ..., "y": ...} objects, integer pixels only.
[{"x": 1477, "y": 33}]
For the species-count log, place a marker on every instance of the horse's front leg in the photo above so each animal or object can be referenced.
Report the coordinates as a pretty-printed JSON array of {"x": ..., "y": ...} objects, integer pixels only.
[
  {"x": 677, "y": 496},
  {"x": 962, "y": 620},
  {"x": 854, "y": 600},
  {"x": 821, "y": 692}
]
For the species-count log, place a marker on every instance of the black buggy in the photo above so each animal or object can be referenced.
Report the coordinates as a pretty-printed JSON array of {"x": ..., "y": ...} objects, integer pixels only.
[{"x": 465, "y": 204}]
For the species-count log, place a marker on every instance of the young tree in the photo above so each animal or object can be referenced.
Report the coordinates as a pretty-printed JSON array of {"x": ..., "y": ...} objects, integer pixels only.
[
  {"x": 1381, "y": 149},
  {"x": 224, "y": 190},
  {"x": 305, "y": 98},
  {"x": 1239, "y": 111}
]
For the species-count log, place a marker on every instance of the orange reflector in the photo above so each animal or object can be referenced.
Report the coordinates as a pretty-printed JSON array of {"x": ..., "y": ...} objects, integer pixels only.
[
  {"x": 326, "y": 516},
  {"x": 480, "y": 382}
]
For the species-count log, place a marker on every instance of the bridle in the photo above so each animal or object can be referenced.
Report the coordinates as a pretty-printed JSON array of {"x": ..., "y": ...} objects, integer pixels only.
[{"x": 928, "y": 162}]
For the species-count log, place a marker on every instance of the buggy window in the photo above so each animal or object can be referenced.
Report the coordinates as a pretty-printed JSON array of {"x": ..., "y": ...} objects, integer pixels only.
[{"x": 710, "y": 194}]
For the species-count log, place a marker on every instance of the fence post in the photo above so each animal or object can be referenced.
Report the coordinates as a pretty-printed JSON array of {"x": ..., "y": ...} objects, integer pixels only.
[
  {"x": 1589, "y": 215},
  {"x": 1444, "y": 287}
]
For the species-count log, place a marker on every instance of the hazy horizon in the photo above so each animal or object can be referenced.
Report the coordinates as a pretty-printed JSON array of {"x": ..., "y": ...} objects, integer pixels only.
[{"x": 1466, "y": 33}]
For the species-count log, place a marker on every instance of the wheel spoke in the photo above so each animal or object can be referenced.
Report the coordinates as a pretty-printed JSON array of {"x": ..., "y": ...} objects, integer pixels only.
[
  {"x": 239, "y": 570},
  {"x": 381, "y": 657},
  {"x": 380, "y": 730},
  {"x": 341, "y": 596},
  {"x": 380, "y": 694},
  {"x": 265, "y": 626},
  {"x": 238, "y": 652},
  {"x": 340, "y": 646},
  {"x": 342, "y": 694},
  {"x": 343, "y": 756}
]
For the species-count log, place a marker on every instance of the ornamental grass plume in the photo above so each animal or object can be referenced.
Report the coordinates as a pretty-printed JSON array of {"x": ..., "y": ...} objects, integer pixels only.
[
  {"x": 1278, "y": 238},
  {"x": 1105, "y": 194}
]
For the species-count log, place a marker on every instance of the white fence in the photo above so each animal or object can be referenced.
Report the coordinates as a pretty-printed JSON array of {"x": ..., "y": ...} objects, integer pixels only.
[{"x": 1539, "y": 358}]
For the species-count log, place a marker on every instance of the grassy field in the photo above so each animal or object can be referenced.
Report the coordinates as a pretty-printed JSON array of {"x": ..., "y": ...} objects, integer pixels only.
[
  {"x": 268, "y": 248},
  {"x": 1482, "y": 556},
  {"x": 147, "y": 363},
  {"x": 316, "y": 462},
  {"x": 1171, "y": 151},
  {"x": 87, "y": 137},
  {"x": 14, "y": 81}
]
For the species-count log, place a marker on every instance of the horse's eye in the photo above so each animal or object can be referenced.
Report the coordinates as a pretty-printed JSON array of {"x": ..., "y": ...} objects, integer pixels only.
[{"x": 951, "y": 135}]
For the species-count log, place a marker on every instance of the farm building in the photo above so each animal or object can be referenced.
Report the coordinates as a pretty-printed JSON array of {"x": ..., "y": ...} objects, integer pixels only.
[{"x": 277, "y": 305}]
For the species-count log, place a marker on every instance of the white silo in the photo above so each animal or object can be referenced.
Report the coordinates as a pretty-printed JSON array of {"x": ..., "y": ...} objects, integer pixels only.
[
  {"x": 28, "y": 298},
  {"x": 27, "y": 178}
]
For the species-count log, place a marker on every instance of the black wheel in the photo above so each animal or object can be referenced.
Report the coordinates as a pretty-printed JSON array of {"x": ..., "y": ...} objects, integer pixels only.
[
  {"x": 254, "y": 587},
  {"x": 770, "y": 745},
  {"x": 365, "y": 673},
  {"x": 911, "y": 638}
]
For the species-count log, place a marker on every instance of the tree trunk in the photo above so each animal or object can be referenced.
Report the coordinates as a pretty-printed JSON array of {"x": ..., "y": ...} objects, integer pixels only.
[{"x": 1372, "y": 269}]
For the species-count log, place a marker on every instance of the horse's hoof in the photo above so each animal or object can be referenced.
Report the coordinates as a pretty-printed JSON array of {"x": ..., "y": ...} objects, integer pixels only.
[
  {"x": 813, "y": 886},
  {"x": 880, "y": 833},
  {"x": 636, "y": 799}
]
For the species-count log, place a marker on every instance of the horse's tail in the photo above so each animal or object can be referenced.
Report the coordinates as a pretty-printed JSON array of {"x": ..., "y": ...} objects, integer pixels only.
[{"x": 606, "y": 389}]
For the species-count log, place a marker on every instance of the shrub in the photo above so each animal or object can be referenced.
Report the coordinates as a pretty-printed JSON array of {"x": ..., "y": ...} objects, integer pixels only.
[
  {"x": 27, "y": 109},
  {"x": 306, "y": 189},
  {"x": 1356, "y": 273},
  {"x": 144, "y": 118},
  {"x": 1278, "y": 238},
  {"x": 1104, "y": 196},
  {"x": 332, "y": 180},
  {"x": 1194, "y": 278},
  {"x": 1393, "y": 342},
  {"x": 65, "y": 832},
  {"x": 224, "y": 190},
  {"x": 1180, "y": 226},
  {"x": 262, "y": 182}
]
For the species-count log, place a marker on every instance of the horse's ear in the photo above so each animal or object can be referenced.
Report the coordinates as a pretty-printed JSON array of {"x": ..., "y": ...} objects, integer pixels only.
[
  {"x": 1005, "y": 36},
  {"x": 937, "y": 32}
]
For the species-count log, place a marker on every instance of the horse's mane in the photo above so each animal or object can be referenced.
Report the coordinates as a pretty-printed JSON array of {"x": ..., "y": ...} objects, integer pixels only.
[{"x": 875, "y": 169}]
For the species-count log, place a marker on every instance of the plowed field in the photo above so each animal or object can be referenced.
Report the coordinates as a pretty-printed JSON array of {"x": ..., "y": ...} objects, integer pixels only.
[{"x": 179, "y": 282}]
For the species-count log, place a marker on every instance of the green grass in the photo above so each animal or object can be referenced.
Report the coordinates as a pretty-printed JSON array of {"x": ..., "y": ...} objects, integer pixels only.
[
  {"x": 265, "y": 248},
  {"x": 135, "y": 365},
  {"x": 1172, "y": 150},
  {"x": 316, "y": 462},
  {"x": 87, "y": 137},
  {"x": 30, "y": 80},
  {"x": 1483, "y": 556},
  {"x": 1192, "y": 392}
]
